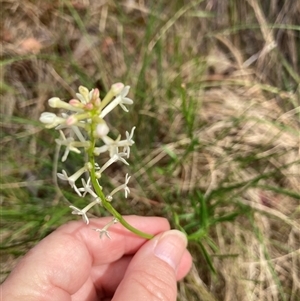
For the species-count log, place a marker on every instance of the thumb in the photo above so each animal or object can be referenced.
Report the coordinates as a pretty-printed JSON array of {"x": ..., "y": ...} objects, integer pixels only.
[{"x": 151, "y": 274}]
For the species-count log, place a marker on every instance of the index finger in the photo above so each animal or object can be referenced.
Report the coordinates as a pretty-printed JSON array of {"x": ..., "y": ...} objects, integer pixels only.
[{"x": 61, "y": 262}]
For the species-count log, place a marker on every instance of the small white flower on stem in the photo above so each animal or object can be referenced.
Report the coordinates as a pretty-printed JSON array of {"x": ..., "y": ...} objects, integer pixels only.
[
  {"x": 123, "y": 186},
  {"x": 80, "y": 212},
  {"x": 87, "y": 188},
  {"x": 64, "y": 176},
  {"x": 121, "y": 100},
  {"x": 104, "y": 230},
  {"x": 120, "y": 157},
  {"x": 107, "y": 164},
  {"x": 112, "y": 146},
  {"x": 72, "y": 179},
  {"x": 129, "y": 141},
  {"x": 113, "y": 159},
  {"x": 84, "y": 211},
  {"x": 124, "y": 99},
  {"x": 71, "y": 145}
]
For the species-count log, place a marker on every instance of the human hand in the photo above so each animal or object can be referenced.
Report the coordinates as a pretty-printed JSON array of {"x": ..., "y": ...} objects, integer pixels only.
[{"x": 72, "y": 263}]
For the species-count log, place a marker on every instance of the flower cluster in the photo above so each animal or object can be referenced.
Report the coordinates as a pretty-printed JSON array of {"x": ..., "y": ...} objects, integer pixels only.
[{"x": 82, "y": 128}]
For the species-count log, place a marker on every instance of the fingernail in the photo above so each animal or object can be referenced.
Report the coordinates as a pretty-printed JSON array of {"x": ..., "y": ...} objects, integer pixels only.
[{"x": 170, "y": 247}]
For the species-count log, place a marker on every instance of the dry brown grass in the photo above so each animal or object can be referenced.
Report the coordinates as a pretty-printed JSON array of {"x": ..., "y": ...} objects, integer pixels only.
[{"x": 243, "y": 85}]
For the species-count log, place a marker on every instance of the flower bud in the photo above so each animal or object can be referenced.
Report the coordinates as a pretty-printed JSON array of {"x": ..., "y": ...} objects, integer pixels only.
[
  {"x": 51, "y": 120},
  {"x": 101, "y": 130},
  {"x": 75, "y": 103},
  {"x": 95, "y": 93},
  {"x": 54, "y": 102},
  {"x": 89, "y": 106},
  {"x": 85, "y": 93},
  {"x": 117, "y": 88},
  {"x": 47, "y": 117},
  {"x": 95, "y": 99},
  {"x": 71, "y": 120}
]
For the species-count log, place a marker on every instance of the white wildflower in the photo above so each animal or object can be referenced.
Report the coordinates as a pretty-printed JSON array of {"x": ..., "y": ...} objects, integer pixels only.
[
  {"x": 104, "y": 230},
  {"x": 84, "y": 211},
  {"x": 123, "y": 186},
  {"x": 71, "y": 145},
  {"x": 72, "y": 179},
  {"x": 114, "y": 158},
  {"x": 112, "y": 146},
  {"x": 87, "y": 188},
  {"x": 121, "y": 100}
]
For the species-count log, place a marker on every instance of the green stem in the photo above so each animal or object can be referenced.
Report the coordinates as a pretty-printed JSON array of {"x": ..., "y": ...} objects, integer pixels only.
[{"x": 107, "y": 205}]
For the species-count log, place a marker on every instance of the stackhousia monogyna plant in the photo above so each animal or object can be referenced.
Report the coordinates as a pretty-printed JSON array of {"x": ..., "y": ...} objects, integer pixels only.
[{"x": 88, "y": 132}]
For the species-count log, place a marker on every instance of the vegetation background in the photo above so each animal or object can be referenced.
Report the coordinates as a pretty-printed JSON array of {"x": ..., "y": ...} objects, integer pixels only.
[{"x": 216, "y": 91}]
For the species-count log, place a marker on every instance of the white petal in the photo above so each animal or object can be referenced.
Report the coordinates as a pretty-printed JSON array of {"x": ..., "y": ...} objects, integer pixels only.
[
  {"x": 124, "y": 108},
  {"x": 62, "y": 176},
  {"x": 127, "y": 101},
  {"x": 125, "y": 91}
]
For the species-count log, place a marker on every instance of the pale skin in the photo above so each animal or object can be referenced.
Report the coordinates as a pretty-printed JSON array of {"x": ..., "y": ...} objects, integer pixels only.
[{"x": 73, "y": 264}]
